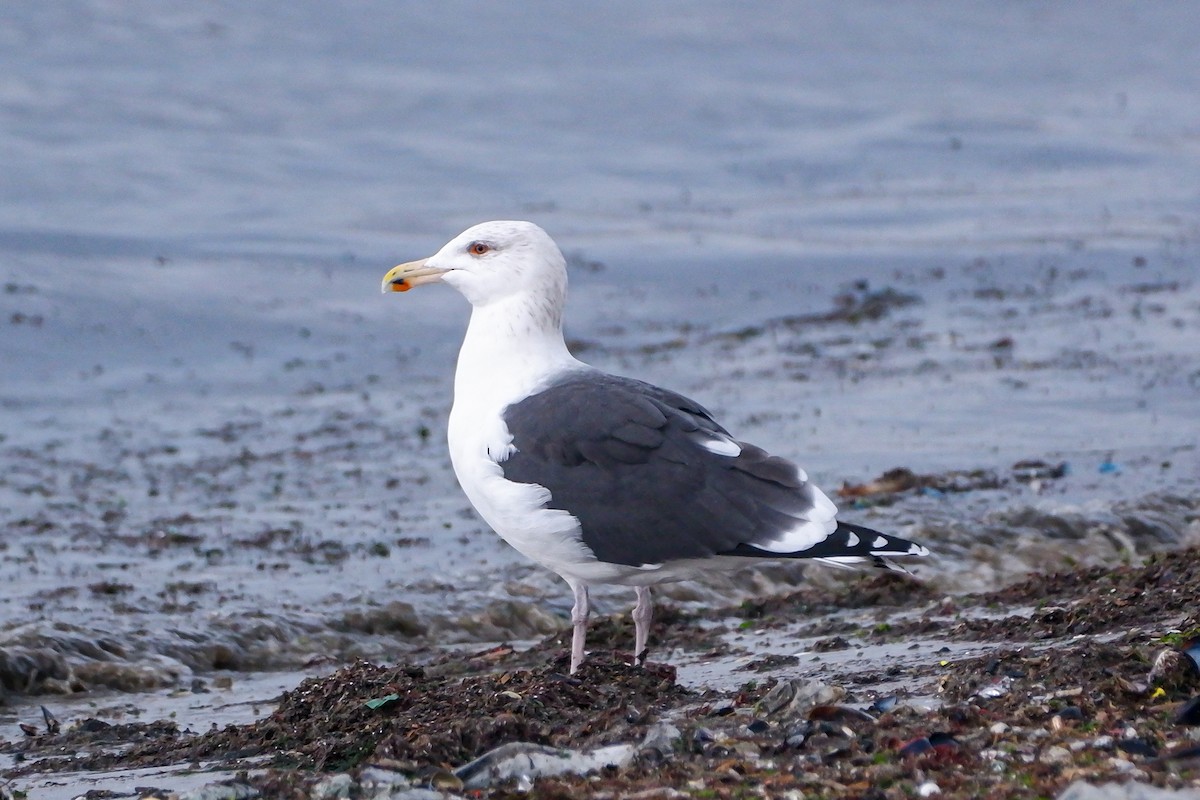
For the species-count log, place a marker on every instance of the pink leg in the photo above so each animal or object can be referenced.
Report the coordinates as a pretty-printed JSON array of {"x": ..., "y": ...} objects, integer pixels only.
[
  {"x": 579, "y": 621},
  {"x": 643, "y": 612}
]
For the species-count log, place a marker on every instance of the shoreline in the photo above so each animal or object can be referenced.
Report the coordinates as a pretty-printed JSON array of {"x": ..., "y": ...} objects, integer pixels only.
[{"x": 885, "y": 688}]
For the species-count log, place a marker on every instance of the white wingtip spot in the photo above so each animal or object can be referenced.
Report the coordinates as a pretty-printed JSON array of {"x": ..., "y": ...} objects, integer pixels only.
[
  {"x": 722, "y": 447},
  {"x": 880, "y": 541},
  {"x": 915, "y": 549},
  {"x": 843, "y": 562},
  {"x": 852, "y": 539}
]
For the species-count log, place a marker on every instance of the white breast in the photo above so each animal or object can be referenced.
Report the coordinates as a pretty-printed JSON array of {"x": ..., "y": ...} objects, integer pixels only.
[
  {"x": 516, "y": 511},
  {"x": 492, "y": 375},
  {"x": 504, "y": 359}
]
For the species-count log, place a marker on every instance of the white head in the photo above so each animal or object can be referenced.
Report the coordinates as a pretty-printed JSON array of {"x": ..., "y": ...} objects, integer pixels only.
[{"x": 492, "y": 261}]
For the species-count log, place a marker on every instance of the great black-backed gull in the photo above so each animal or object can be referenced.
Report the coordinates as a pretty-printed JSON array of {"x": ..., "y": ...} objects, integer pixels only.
[{"x": 599, "y": 478}]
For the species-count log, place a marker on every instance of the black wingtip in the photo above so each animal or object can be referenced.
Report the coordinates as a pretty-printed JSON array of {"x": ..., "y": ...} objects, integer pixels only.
[{"x": 848, "y": 545}]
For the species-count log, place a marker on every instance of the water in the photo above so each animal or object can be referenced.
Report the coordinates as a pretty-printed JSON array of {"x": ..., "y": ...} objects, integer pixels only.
[{"x": 223, "y": 448}]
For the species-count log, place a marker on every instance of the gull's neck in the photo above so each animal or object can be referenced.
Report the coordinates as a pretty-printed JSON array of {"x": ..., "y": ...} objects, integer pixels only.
[{"x": 512, "y": 345}]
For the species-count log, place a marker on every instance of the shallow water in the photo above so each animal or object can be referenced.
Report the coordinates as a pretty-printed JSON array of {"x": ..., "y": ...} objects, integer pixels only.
[{"x": 223, "y": 449}]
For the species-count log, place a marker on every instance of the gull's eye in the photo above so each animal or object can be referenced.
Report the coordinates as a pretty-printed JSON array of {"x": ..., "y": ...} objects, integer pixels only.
[{"x": 479, "y": 248}]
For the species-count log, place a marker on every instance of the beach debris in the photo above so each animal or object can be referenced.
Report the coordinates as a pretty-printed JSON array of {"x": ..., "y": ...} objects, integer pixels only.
[
  {"x": 1137, "y": 746},
  {"x": 1081, "y": 790},
  {"x": 1175, "y": 669},
  {"x": 1189, "y": 712},
  {"x": 443, "y": 781},
  {"x": 938, "y": 742},
  {"x": 660, "y": 741},
  {"x": 375, "y": 781},
  {"x": 1031, "y": 470},
  {"x": 838, "y": 713},
  {"x": 1190, "y": 754},
  {"x": 830, "y": 644},
  {"x": 379, "y": 702},
  {"x": 698, "y": 739},
  {"x": 997, "y": 688},
  {"x": 1066, "y": 714},
  {"x": 335, "y": 787},
  {"x": 882, "y": 705},
  {"x": 1036, "y": 473},
  {"x": 916, "y": 747},
  {"x": 796, "y": 735},
  {"x": 52, "y": 725},
  {"x": 224, "y": 790},
  {"x": 795, "y": 698},
  {"x": 860, "y": 302},
  {"x": 758, "y": 726},
  {"x": 721, "y": 708},
  {"x": 526, "y": 761},
  {"x": 900, "y": 480}
]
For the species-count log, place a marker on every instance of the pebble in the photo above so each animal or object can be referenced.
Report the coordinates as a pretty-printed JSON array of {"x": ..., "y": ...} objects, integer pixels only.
[
  {"x": 1070, "y": 713},
  {"x": 722, "y": 709},
  {"x": 928, "y": 789},
  {"x": 661, "y": 740},
  {"x": 1122, "y": 791},
  {"x": 335, "y": 787},
  {"x": 222, "y": 791},
  {"x": 999, "y": 728},
  {"x": 377, "y": 778},
  {"x": 796, "y": 735},
  {"x": 747, "y": 750},
  {"x": 1123, "y": 765},
  {"x": 1055, "y": 755}
]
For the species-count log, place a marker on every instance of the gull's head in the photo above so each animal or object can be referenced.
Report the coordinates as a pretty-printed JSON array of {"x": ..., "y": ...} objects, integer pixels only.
[{"x": 489, "y": 262}]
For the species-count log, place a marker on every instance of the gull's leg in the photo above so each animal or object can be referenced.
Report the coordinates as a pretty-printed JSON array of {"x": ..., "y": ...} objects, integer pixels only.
[
  {"x": 579, "y": 621},
  {"x": 643, "y": 612}
]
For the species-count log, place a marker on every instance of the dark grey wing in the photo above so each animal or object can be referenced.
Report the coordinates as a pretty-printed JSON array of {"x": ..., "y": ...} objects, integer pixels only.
[{"x": 649, "y": 474}]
